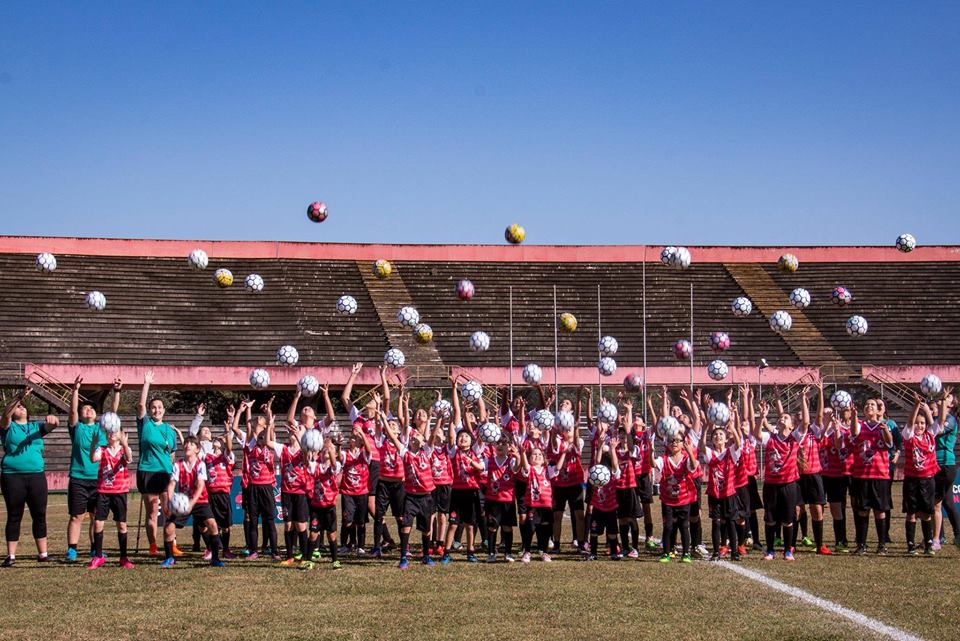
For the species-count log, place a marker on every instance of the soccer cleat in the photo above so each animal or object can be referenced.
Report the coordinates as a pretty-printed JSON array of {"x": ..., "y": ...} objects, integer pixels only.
[
  {"x": 471, "y": 558},
  {"x": 153, "y": 550},
  {"x": 376, "y": 553},
  {"x": 177, "y": 551},
  {"x": 168, "y": 562},
  {"x": 824, "y": 551},
  {"x": 288, "y": 563},
  {"x": 525, "y": 558},
  {"x": 741, "y": 550},
  {"x": 243, "y": 552},
  {"x": 757, "y": 547},
  {"x": 337, "y": 565},
  {"x": 936, "y": 545},
  {"x": 736, "y": 557},
  {"x": 96, "y": 562},
  {"x": 227, "y": 554},
  {"x": 361, "y": 553},
  {"x": 860, "y": 550},
  {"x": 545, "y": 557},
  {"x": 686, "y": 559},
  {"x": 298, "y": 556},
  {"x": 456, "y": 545},
  {"x": 440, "y": 551},
  {"x": 445, "y": 558},
  {"x": 912, "y": 551},
  {"x": 217, "y": 563},
  {"x": 7, "y": 563},
  {"x": 715, "y": 556},
  {"x": 71, "y": 555},
  {"x": 305, "y": 566},
  {"x": 315, "y": 556},
  {"x": 633, "y": 554},
  {"x": 806, "y": 542},
  {"x": 768, "y": 556},
  {"x": 126, "y": 564},
  {"x": 842, "y": 548},
  {"x": 404, "y": 563},
  {"x": 276, "y": 557},
  {"x": 343, "y": 549},
  {"x": 724, "y": 550},
  {"x": 882, "y": 550},
  {"x": 508, "y": 558},
  {"x": 616, "y": 556},
  {"x": 491, "y": 558},
  {"x": 591, "y": 557},
  {"x": 426, "y": 560},
  {"x": 651, "y": 546},
  {"x": 388, "y": 545},
  {"x": 929, "y": 552},
  {"x": 207, "y": 555},
  {"x": 702, "y": 551},
  {"x": 788, "y": 556},
  {"x": 253, "y": 556},
  {"x": 664, "y": 558}
]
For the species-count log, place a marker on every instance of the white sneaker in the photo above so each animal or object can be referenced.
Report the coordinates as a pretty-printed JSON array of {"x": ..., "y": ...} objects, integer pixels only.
[
  {"x": 525, "y": 558},
  {"x": 491, "y": 558},
  {"x": 456, "y": 545},
  {"x": 703, "y": 551},
  {"x": 545, "y": 557},
  {"x": 361, "y": 552},
  {"x": 748, "y": 543},
  {"x": 509, "y": 558},
  {"x": 343, "y": 549}
]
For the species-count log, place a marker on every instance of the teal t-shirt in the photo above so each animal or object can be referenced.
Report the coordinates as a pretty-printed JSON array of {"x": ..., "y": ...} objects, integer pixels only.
[
  {"x": 157, "y": 441},
  {"x": 947, "y": 443},
  {"x": 82, "y": 436},
  {"x": 22, "y": 448}
]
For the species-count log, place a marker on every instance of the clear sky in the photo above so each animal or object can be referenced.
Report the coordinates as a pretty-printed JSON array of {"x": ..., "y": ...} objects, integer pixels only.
[{"x": 631, "y": 122}]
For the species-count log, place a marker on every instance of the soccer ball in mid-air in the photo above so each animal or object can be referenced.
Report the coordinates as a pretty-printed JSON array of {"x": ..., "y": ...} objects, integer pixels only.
[
  {"x": 788, "y": 263},
  {"x": 607, "y": 346},
  {"x": 676, "y": 257},
  {"x": 223, "y": 277},
  {"x": 198, "y": 259},
  {"x": 542, "y": 419},
  {"x": 179, "y": 504},
  {"x": 717, "y": 370},
  {"x": 515, "y": 234},
  {"x": 479, "y": 342},
  {"x": 682, "y": 349},
  {"x": 471, "y": 391},
  {"x": 857, "y": 326},
  {"x": 253, "y": 283},
  {"x": 423, "y": 333},
  {"x": 841, "y": 296},
  {"x": 110, "y": 423},
  {"x": 382, "y": 268},
  {"x": 317, "y": 212},
  {"x": 667, "y": 255},
  {"x": 347, "y": 305},
  {"x": 288, "y": 355},
  {"x": 408, "y": 317},
  {"x": 599, "y": 475},
  {"x": 394, "y": 358},
  {"x": 532, "y": 374},
  {"x": 312, "y": 440},
  {"x": 465, "y": 290},
  {"x": 308, "y": 386},
  {"x": 931, "y": 386},
  {"x": 46, "y": 262},
  {"x": 741, "y": 306},
  {"x": 607, "y": 366},
  {"x": 718, "y": 414},
  {"x": 260, "y": 379},
  {"x": 489, "y": 433},
  {"x": 607, "y": 413},
  {"x": 841, "y": 400},
  {"x": 566, "y": 420},
  {"x": 96, "y": 301},
  {"x": 781, "y": 321},
  {"x": 442, "y": 408},
  {"x": 633, "y": 383},
  {"x": 568, "y": 322},
  {"x": 719, "y": 341},
  {"x": 668, "y": 427},
  {"x": 800, "y": 298},
  {"x": 906, "y": 243}
]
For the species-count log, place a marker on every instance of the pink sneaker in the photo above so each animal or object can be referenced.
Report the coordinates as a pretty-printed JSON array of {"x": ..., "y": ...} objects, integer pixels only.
[
  {"x": 252, "y": 556},
  {"x": 227, "y": 554},
  {"x": 96, "y": 562},
  {"x": 207, "y": 555},
  {"x": 126, "y": 564}
]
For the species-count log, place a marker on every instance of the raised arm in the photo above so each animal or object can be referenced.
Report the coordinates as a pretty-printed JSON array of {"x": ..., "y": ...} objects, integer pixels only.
[
  {"x": 197, "y": 419},
  {"x": 292, "y": 412},
  {"x": 125, "y": 444},
  {"x": 820, "y": 406},
  {"x": 75, "y": 403},
  {"x": 804, "y": 409},
  {"x": 327, "y": 405},
  {"x": 348, "y": 388},
  {"x": 144, "y": 393},
  {"x": 12, "y": 405},
  {"x": 385, "y": 386}
]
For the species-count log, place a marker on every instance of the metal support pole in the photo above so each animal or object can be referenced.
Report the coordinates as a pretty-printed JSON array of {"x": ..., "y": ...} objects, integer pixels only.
[
  {"x": 511, "y": 345},
  {"x": 599, "y": 336},
  {"x": 644, "y": 293},
  {"x": 556, "y": 356}
]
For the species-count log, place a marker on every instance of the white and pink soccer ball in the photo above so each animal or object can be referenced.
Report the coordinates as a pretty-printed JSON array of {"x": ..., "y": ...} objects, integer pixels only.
[
  {"x": 841, "y": 296},
  {"x": 532, "y": 374},
  {"x": 465, "y": 290},
  {"x": 633, "y": 383},
  {"x": 682, "y": 349},
  {"x": 719, "y": 341}
]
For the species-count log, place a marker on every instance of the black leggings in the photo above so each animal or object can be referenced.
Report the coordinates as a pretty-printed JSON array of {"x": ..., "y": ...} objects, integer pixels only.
[
  {"x": 944, "y": 480},
  {"x": 676, "y": 518},
  {"x": 25, "y": 490}
]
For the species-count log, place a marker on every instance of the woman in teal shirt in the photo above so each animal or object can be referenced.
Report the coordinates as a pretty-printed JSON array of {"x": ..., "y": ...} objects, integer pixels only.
[
  {"x": 947, "y": 463},
  {"x": 21, "y": 474},
  {"x": 158, "y": 442}
]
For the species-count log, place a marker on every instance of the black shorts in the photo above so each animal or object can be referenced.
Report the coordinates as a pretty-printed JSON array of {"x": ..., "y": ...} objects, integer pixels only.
[
  {"x": 538, "y": 515},
  {"x": 725, "y": 509},
  {"x": 323, "y": 519},
  {"x": 222, "y": 509},
  {"x": 756, "y": 502},
  {"x": 463, "y": 507},
  {"x": 780, "y": 502},
  {"x": 628, "y": 507},
  {"x": 743, "y": 502},
  {"x": 296, "y": 507},
  {"x": 354, "y": 509},
  {"x": 374, "y": 477},
  {"x": 564, "y": 496},
  {"x": 263, "y": 503},
  {"x": 111, "y": 503},
  {"x": 870, "y": 494},
  {"x": 836, "y": 488},
  {"x": 943, "y": 481},
  {"x": 695, "y": 506},
  {"x": 389, "y": 494},
  {"x": 678, "y": 513},
  {"x": 152, "y": 482},
  {"x": 501, "y": 514},
  {"x": 601, "y": 522},
  {"x": 644, "y": 489},
  {"x": 919, "y": 495},
  {"x": 201, "y": 513},
  {"x": 441, "y": 499},
  {"x": 81, "y": 496},
  {"x": 520, "y": 494},
  {"x": 811, "y": 490},
  {"x": 417, "y": 508},
  {"x": 245, "y": 502}
]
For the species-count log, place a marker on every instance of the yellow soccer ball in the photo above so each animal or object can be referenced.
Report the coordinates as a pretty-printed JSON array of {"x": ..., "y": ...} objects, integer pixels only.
[
  {"x": 382, "y": 268},
  {"x": 788, "y": 263},
  {"x": 423, "y": 333},
  {"x": 515, "y": 234},
  {"x": 223, "y": 277},
  {"x": 568, "y": 322}
]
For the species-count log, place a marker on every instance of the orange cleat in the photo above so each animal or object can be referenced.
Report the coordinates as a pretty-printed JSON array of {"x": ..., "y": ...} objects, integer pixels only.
[
  {"x": 177, "y": 551},
  {"x": 825, "y": 551},
  {"x": 153, "y": 550}
]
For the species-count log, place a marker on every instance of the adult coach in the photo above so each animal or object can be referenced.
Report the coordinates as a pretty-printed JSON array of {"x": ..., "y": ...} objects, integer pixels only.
[
  {"x": 947, "y": 469},
  {"x": 158, "y": 442},
  {"x": 22, "y": 478}
]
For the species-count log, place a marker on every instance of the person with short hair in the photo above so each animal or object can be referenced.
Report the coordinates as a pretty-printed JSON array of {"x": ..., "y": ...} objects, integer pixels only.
[
  {"x": 113, "y": 484},
  {"x": 919, "y": 470}
]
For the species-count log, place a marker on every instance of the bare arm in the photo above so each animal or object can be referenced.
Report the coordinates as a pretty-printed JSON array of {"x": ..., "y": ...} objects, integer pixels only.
[
  {"x": 292, "y": 412},
  {"x": 12, "y": 405},
  {"x": 348, "y": 388},
  {"x": 144, "y": 393},
  {"x": 75, "y": 402}
]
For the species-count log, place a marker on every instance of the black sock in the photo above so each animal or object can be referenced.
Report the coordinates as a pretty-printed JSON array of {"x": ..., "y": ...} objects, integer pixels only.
[
  {"x": 343, "y": 533},
  {"x": 168, "y": 549},
  {"x": 526, "y": 535},
  {"x": 911, "y": 529},
  {"x": 543, "y": 536},
  {"x": 251, "y": 532},
  {"x": 378, "y": 534},
  {"x": 288, "y": 542},
  {"x": 625, "y": 537},
  {"x": 732, "y": 535},
  {"x": 685, "y": 537},
  {"x": 272, "y": 532},
  {"x": 303, "y": 538},
  {"x": 634, "y": 535},
  {"x": 818, "y": 533},
  {"x": 361, "y": 535},
  {"x": 715, "y": 535},
  {"x": 122, "y": 540},
  {"x": 880, "y": 524},
  {"x": 840, "y": 531},
  {"x": 771, "y": 534},
  {"x": 197, "y": 535},
  {"x": 926, "y": 529},
  {"x": 741, "y": 533},
  {"x": 333, "y": 550},
  {"x": 492, "y": 542},
  {"x": 789, "y": 538},
  {"x": 593, "y": 544},
  {"x": 860, "y": 524},
  {"x": 98, "y": 543},
  {"x": 696, "y": 533},
  {"x": 612, "y": 545},
  {"x": 72, "y": 546},
  {"x": 648, "y": 529},
  {"x": 425, "y": 543},
  {"x": 225, "y": 538},
  {"x": 803, "y": 524},
  {"x": 404, "y": 542},
  {"x": 312, "y": 544},
  {"x": 886, "y": 532},
  {"x": 214, "y": 543},
  {"x": 508, "y": 541},
  {"x": 754, "y": 527}
]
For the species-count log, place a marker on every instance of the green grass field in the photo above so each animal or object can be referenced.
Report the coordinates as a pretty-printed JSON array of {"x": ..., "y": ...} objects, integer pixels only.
[{"x": 568, "y": 599}]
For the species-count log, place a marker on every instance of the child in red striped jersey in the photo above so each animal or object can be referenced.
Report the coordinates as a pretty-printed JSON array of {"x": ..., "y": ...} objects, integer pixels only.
[
  {"x": 721, "y": 462},
  {"x": 261, "y": 466},
  {"x": 190, "y": 477},
  {"x": 418, "y": 492},
  {"x": 870, "y": 471},
  {"x": 539, "y": 500},
  {"x": 325, "y": 469},
  {"x": 812, "y": 494},
  {"x": 920, "y": 468},
  {"x": 294, "y": 489},
  {"x": 442, "y": 470},
  {"x": 604, "y": 500},
  {"x": 466, "y": 460},
  {"x": 354, "y": 485},
  {"x": 678, "y": 467},
  {"x": 113, "y": 484},
  {"x": 500, "y": 507},
  {"x": 781, "y": 493},
  {"x": 219, "y": 462},
  {"x": 629, "y": 508}
]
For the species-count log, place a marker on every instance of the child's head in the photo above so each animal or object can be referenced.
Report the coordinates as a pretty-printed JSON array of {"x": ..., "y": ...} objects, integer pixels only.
[
  {"x": 676, "y": 412},
  {"x": 464, "y": 440},
  {"x": 261, "y": 437},
  {"x": 674, "y": 443},
  {"x": 205, "y": 434},
  {"x": 307, "y": 415},
  {"x": 113, "y": 437},
  {"x": 537, "y": 457},
  {"x": 191, "y": 446},
  {"x": 920, "y": 426},
  {"x": 356, "y": 440},
  {"x": 718, "y": 437},
  {"x": 503, "y": 445},
  {"x": 421, "y": 417},
  {"x": 219, "y": 445},
  {"x": 370, "y": 408},
  {"x": 566, "y": 405},
  {"x": 516, "y": 406},
  {"x": 415, "y": 441},
  {"x": 870, "y": 410},
  {"x": 785, "y": 422},
  {"x": 88, "y": 413}
]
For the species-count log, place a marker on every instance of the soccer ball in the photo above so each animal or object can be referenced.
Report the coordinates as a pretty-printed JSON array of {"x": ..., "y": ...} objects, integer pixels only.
[
  {"x": 566, "y": 420},
  {"x": 607, "y": 413},
  {"x": 788, "y": 263},
  {"x": 489, "y": 433},
  {"x": 408, "y": 317},
  {"x": 741, "y": 306},
  {"x": 179, "y": 504},
  {"x": 906, "y": 243},
  {"x": 856, "y": 326},
  {"x": 423, "y": 333},
  {"x": 223, "y": 277},
  {"x": 682, "y": 349},
  {"x": 568, "y": 322},
  {"x": 667, "y": 255},
  {"x": 515, "y": 234},
  {"x": 347, "y": 305},
  {"x": 800, "y": 298},
  {"x": 532, "y": 374},
  {"x": 253, "y": 283},
  {"x": 110, "y": 423},
  {"x": 288, "y": 356},
  {"x": 382, "y": 268},
  {"x": 840, "y": 400},
  {"x": 471, "y": 391},
  {"x": 46, "y": 262},
  {"x": 308, "y": 386},
  {"x": 718, "y": 414},
  {"x": 317, "y": 212},
  {"x": 599, "y": 475},
  {"x": 841, "y": 296},
  {"x": 542, "y": 419},
  {"x": 931, "y": 385},
  {"x": 781, "y": 321},
  {"x": 607, "y": 366},
  {"x": 607, "y": 346},
  {"x": 633, "y": 383},
  {"x": 312, "y": 440},
  {"x": 668, "y": 426},
  {"x": 479, "y": 342},
  {"x": 260, "y": 379},
  {"x": 465, "y": 290},
  {"x": 719, "y": 341},
  {"x": 394, "y": 358},
  {"x": 681, "y": 259},
  {"x": 717, "y": 370},
  {"x": 96, "y": 301},
  {"x": 198, "y": 259},
  {"x": 443, "y": 408}
]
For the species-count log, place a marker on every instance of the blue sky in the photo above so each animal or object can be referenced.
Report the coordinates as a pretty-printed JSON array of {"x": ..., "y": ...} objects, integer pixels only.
[{"x": 681, "y": 122}]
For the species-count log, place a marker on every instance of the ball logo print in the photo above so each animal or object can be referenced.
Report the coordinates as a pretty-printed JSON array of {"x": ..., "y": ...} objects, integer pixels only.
[
  {"x": 308, "y": 386},
  {"x": 741, "y": 306},
  {"x": 607, "y": 366},
  {"x": 253, "y": 283},
  {"x": 479, "y": 342},
  {"x": 259, "y": 379},
  {"x": 532, "y": 374},
  {"x": 46, "y": 262},
  {"x": 288, "y": 356},
  {"x": 599, "y": 475},
  {"x": 198, "y": 259}
]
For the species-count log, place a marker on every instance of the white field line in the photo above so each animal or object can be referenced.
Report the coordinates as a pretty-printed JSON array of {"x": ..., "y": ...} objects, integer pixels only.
[{"x": 830, "y": 606}]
